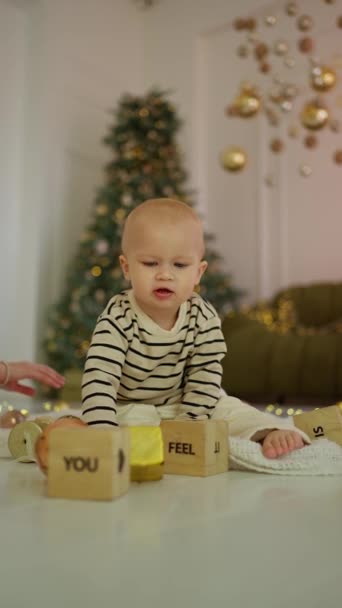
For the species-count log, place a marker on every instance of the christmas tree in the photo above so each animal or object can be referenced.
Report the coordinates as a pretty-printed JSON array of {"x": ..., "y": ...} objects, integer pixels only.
[{"x": 146, "y": 163}]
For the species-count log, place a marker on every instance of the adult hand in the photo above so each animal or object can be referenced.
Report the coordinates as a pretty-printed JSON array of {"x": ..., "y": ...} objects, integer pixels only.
[{"x": 11, "y": 373}]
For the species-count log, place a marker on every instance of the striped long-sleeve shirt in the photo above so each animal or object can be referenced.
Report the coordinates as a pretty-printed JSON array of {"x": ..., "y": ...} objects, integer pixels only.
[{"x": 133, "y": 360}]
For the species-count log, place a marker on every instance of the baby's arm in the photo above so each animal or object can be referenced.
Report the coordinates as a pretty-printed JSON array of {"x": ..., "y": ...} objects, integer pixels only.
[
  {"x": 203, "y": 372},
  {"x": 102, "y": 373}
]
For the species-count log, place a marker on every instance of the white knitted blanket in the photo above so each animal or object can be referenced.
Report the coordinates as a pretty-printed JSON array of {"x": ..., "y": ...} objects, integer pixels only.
[{"x": 322, "y": 457}]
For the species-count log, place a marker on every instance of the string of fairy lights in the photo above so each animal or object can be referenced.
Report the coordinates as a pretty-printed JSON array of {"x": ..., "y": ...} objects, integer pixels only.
[{"x": 60, "y": 406}]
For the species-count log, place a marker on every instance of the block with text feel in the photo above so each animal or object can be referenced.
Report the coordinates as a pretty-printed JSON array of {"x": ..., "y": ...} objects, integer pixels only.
[
  {"x": 195, "y": 447},
  {"x": 324, "y": 422},
  {"x": 88, "y": 463}
]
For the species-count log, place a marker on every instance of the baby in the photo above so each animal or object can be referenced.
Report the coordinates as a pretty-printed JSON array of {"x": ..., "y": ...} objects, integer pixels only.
[{"x": 161, "y": 344}]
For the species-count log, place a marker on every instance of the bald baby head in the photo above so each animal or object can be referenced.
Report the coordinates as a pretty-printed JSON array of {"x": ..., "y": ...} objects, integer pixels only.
[{"x": 161, "y": 214}]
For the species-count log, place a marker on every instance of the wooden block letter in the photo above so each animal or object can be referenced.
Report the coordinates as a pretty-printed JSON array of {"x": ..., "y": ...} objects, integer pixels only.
[
  {"x": 324, "y": 422},
  {"x": 88, "y": 463},
  {"x": 197, "y": 448}
]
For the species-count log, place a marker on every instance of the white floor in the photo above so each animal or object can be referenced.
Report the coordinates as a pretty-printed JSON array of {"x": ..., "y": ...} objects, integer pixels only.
[{"x": 235, "y": 540}]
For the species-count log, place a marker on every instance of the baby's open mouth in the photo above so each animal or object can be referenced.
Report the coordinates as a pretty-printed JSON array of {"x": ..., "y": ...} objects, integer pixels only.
[{"x": 163, "y": 291}]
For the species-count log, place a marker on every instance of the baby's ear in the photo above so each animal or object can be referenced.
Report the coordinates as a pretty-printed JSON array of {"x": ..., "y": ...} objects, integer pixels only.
[
  {"x": 202, "y": 268},
  {"x": 124, "y": 266}
]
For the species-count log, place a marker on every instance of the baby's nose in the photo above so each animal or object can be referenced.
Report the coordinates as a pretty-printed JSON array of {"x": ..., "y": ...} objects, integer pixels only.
[{"x": 164, "y": 273}]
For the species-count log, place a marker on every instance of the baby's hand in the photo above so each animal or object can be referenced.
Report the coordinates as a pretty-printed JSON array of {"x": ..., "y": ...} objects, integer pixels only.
[{"x": 278, "y": 443}]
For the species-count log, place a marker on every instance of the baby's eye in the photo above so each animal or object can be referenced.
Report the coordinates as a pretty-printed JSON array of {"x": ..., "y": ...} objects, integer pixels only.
[
  {"x": 149, "y": 264},
  {"x": 180, "y": 265}
]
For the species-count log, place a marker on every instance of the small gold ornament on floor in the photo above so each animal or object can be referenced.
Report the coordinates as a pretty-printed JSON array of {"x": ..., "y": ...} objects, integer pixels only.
[
  {"x": 233, "y": 159},
  {"x": 314, "y": 115}
]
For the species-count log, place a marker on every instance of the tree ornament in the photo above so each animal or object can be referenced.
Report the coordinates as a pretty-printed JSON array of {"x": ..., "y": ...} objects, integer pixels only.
[
  {"x": 242, "y": 50},
  {"x": 289, "y": 62},
  {"x": 276, "y": 145},
  {"x": 306, "y": 44},
  {"x": 291, "y": 9},
  {"x": 250, "y": 24},
  {"x": 305, "y": 170},
  {"x": 314, "y": 115},
  {"x": 310, "y": 141},
  {"x": 233, "y": 159},
  {"x": 323, "y": 78},
  {"x": 265, "y": 67},
  {"x": 338, "y": 157},
  {"x": 101, "y": 246},
  {"x": 102, "y": 209},
  {"x": 281, "y": 47},
  {"x": 260, "y": 50},
  {"x": 247, "y": 103},
  {"x": 305, "y": 23},
  {"x": 270, "y": 20}
]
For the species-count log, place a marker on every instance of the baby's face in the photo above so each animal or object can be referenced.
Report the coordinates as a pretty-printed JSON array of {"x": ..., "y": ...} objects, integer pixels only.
[{"x": 163, "y": 264}]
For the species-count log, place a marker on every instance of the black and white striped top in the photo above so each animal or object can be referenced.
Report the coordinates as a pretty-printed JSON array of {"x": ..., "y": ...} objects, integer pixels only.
[{"x": 133, "y": 360}]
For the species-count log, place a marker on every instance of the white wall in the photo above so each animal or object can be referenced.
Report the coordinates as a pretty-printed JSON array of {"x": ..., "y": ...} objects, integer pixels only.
[
  {"x": 65, "y": 64},
  {"x": 269, "y": 237}
]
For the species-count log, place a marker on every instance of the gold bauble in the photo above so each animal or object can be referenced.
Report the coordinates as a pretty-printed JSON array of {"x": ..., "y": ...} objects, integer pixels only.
[
  {"x": 323, "y": 78},
  {"x": 247, "y": 103},
  {"x": 233, "y": 158},
  {"x": 314, "y": 116}
]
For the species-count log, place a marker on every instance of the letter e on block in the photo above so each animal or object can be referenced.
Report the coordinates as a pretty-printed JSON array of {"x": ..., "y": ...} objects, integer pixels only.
[{"x": 89, "y": 464}]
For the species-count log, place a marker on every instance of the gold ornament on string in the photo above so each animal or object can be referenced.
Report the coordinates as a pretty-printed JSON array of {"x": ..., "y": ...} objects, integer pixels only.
[
  {"x": 323, "y": 78},
  {"x": 291, "y": 9},
  {"x": 305, "y": 23},
  {"x": 305, "y": 170},
  {"x": 314, "y": 115},
  {"x": 248, "y": 103},
  {"x": 233, "y": 159}
]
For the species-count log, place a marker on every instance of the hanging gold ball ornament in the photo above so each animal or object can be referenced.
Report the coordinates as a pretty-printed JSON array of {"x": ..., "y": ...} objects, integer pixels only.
[
  {"x": 247, "y": 103},
  {"x": 281, "y": 47},
  {"x": 233, "y": 159},
  {"x": 305, "y": 170},
  {"x": 291, "y": 9},
  {"x": 270, "y": 20},
  {"x": 276, "y": 145},
  {"x": 323, "y": 78},
  {"x": 310, "y": 141},
  {"x": 314, "y": 115},
  {"x": 304, "y": 23},
  {"x": 338, "y": 157},
  {"x": 306, "y": 44}
]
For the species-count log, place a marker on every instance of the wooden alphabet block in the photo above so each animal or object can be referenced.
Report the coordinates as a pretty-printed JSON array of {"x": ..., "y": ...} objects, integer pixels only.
[
  {"x": 325, "y": 422},
  {"x": 197, "y": 448},
  {"x": 88, "y": 463}
]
